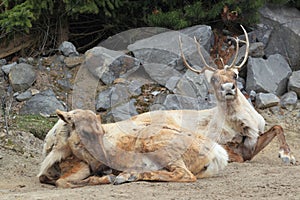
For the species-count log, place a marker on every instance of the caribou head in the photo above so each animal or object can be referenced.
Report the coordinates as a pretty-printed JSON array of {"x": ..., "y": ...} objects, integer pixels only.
[{"x": 223, "y": 80}]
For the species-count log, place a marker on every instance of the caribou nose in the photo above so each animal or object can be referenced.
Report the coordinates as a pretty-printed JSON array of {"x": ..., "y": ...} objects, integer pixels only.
[{"x": 227, "y": 86}]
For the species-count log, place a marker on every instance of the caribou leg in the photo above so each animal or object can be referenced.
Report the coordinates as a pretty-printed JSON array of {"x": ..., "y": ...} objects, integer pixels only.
[
  {"x": 240, "y": 152},
  {"x": 284, "y": 150},
  {"x": 173, "y": 173}
]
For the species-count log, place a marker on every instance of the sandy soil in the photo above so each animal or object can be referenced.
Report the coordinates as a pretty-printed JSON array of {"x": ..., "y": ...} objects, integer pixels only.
[{"x": 264, "y": 177}]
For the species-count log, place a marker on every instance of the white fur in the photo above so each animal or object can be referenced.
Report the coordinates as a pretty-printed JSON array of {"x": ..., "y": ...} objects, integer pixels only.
[
  {"x": 219, "y": 159},
  {"x": 55, "y": 147}
]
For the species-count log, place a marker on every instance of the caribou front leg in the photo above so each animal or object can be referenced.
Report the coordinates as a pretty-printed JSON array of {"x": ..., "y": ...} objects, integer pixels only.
[
  {"x": 284, "y": 150},
  {"x": 241, "y": 152}
]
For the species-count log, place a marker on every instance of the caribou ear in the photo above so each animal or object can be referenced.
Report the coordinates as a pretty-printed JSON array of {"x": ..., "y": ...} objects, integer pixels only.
[
  {"x": 208, "y": 74},
  {"x": 65, "y": 116}
]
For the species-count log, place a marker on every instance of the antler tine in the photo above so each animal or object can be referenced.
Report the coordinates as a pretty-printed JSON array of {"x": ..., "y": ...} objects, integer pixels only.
[
  {"x": 247, "y": 49},
  {"x": 206, "y": 66},
  {"x": 184, "y": 60},
  {"x": 236, "y": 54}
]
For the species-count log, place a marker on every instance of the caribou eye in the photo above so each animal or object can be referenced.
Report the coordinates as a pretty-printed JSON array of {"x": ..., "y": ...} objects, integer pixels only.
[
  {"x": 205, "y": 167},
  {"x": 235, "y": 76}
]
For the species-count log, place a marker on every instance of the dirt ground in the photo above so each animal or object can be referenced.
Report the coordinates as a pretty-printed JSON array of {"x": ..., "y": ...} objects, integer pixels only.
[{"x": 264, "y": 177}]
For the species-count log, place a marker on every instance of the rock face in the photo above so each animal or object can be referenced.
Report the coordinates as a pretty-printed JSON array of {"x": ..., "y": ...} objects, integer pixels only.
[
  {"x": 269, "y": 75},
  {"x": 21, "y": 76},
  {"x": 294, "y": 82},
  {"x": 285, "y": 36},
  {"x": 266, "y": 100},
  {"x": 42, "y": 103}
]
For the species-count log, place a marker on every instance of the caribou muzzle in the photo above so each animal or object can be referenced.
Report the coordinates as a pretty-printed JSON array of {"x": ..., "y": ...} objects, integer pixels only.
[{"x": 228, "y": 91}]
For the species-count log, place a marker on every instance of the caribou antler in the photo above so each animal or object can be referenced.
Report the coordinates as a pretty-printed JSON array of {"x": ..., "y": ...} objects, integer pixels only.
[
  {"x": 237, "y": 40},
  {"x": 206, "y": 66}
]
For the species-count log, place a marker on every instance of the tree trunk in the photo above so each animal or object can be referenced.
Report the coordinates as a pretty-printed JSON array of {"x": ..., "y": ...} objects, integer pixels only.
[{"x": 63, "y": 25}]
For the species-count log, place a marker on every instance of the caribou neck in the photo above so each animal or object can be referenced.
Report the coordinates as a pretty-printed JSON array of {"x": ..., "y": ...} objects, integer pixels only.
[{"x": 229, "y": 108}]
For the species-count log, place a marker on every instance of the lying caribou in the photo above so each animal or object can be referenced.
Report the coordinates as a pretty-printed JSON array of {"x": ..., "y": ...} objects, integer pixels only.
[
  {"x": 233, "y": 123},
  {"x": 83, "y": 149}
]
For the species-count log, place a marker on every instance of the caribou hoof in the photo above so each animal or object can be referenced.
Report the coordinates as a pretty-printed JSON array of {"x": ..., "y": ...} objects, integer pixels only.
[
  {"x": 124, "y": 178},
  {"x": 287, "y": 157}
]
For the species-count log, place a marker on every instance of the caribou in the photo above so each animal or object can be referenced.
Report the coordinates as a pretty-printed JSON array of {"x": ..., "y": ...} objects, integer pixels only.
[
  {"x": 83, "y": 151},
  {"x": 234, "y": 124}
]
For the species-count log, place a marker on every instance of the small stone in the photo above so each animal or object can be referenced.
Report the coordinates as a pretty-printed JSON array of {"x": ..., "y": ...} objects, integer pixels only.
[
  {"x": 289, "y": 100},
  {"x": 266, "y": 100}
]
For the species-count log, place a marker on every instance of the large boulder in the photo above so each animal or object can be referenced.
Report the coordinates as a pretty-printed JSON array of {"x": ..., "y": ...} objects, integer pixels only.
[
  {"x": 269, "y": 75},
  {"x": 22, "y": 76},
  {"x": 120, "y": 41},
  {"x": 203, "y": 34},
  {"x": 285, "y": 36},
  {"x": 44, "y": 103},
  {"x": 294, "y": 83},
  {"x": 107, "y": 65},
  {"x": 192, "y": 85},
  {"x": 179, "y": 102},
  {"x": 164, "y": 49}
]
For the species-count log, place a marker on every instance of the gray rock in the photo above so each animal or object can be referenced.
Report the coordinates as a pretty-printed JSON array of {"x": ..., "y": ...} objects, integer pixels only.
[
  {"x": 202, "y": 33},
  {"x": 172, "y": 82},
  {"x": 65, "y": 84},
  {"x": 124, "y": 111},
  {"x": 103, "y": 101},
  {"x": 22, "y": 76},
  {"x": 256, "y": 49},
  {"x": 294, "y": 82},
  {"x": 24, "y": 96},
  {"x": 289, "y": 100},
  {"x": 269, "y": 75},
  {"x": 44, "y": 102},
  {"x": 164, "y": 49},
  {"x": 266, "y": 100},
  {"x": 263, "y": 33},
  {"x": 2, "y": 62},
  {"x": 107, "y": 65},
  {"x": 119, "y": 94},
  {"x": 6, "y": 68},
  {"x": 120, "y": 41},
  {"x": 285, "y": 37},
  {"x": 160, "y": 73},
  {"x": 241, "y": 83},
  {"x": 68, "y": 49},
  {"x": 179, "y": 102},
  {"x": 192, "y": 85}
]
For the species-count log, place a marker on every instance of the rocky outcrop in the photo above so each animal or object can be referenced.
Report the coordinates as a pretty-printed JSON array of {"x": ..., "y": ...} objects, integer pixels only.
[
  {"x": 285, "y": 33},
  {"x": 151, "y": 76}
]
